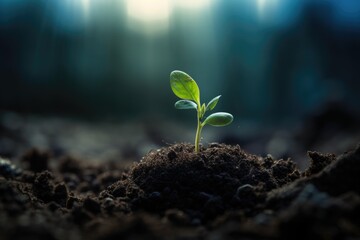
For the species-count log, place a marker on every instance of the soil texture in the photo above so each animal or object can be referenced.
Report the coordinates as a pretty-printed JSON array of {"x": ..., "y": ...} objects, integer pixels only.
[{"x": 222, "y": 192}]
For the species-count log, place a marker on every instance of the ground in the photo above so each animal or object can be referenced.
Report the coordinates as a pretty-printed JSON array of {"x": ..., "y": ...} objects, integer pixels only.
[{"x": 169, "y": 192}]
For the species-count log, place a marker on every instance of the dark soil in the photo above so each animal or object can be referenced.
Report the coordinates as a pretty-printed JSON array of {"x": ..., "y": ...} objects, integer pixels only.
[{"x": 173, "y": 193}]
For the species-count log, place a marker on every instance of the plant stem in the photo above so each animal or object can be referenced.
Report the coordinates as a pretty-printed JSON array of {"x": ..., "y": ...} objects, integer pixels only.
[{"x": 198, "y": 133}]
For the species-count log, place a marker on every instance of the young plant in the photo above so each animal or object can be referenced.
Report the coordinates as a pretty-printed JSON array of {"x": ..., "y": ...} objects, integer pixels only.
[{"x": 186, "y": 88}]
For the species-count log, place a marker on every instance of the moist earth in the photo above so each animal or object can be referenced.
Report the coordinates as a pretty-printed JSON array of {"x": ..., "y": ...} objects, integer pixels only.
[{"x": 222, "y": 192}]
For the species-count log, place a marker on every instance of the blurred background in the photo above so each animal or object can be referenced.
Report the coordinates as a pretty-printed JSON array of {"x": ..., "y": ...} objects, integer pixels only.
[{"x": 92, "y": 76}]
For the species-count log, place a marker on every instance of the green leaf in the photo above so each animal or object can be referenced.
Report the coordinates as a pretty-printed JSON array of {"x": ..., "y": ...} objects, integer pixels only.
[
  {"x": 219, "y": 119},
  {"x": 203, "y": 110},
  {"x": 211, "y": 105},
  {"x": 185, "y": 104},
  {"x": 184, "y": 86}
]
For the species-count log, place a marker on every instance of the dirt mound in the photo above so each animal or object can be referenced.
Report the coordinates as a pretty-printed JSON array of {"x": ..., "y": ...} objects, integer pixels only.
[{"x": 204, "y": 184}]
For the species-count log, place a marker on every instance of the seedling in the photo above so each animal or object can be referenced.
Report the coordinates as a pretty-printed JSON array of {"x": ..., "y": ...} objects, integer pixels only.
[{"x": 186, "y": 88}]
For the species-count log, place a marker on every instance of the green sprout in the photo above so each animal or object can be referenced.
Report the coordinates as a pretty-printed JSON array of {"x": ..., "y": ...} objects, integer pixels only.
[{"x": 186, "y": 88}]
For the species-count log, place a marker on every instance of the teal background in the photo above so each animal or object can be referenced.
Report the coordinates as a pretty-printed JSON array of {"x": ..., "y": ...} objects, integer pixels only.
[{"x": 271, "y": 60}]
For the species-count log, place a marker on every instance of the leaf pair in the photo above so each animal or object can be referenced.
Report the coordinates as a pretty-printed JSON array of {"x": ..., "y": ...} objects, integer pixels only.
[
  {"x": 187, "y": 89},
  {"x": 187, "y": 104}
]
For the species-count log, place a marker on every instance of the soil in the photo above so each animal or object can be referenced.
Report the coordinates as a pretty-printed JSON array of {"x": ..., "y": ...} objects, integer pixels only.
[{"x": 222, "y": 192}]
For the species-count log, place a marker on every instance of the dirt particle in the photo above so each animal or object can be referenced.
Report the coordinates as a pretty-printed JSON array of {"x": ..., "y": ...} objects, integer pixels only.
[
  {"x": 36, "y": 160},
  {"x": 43, "y": 186},
  {"x": 61, "y": 194},
  {"x": 119, "y": 191},
  {"x": 71, "y": 202},
  {"x": 318, "y": 162},
  {"x": 172, "y": 155},
  {"x": 70, "y": 165}
]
